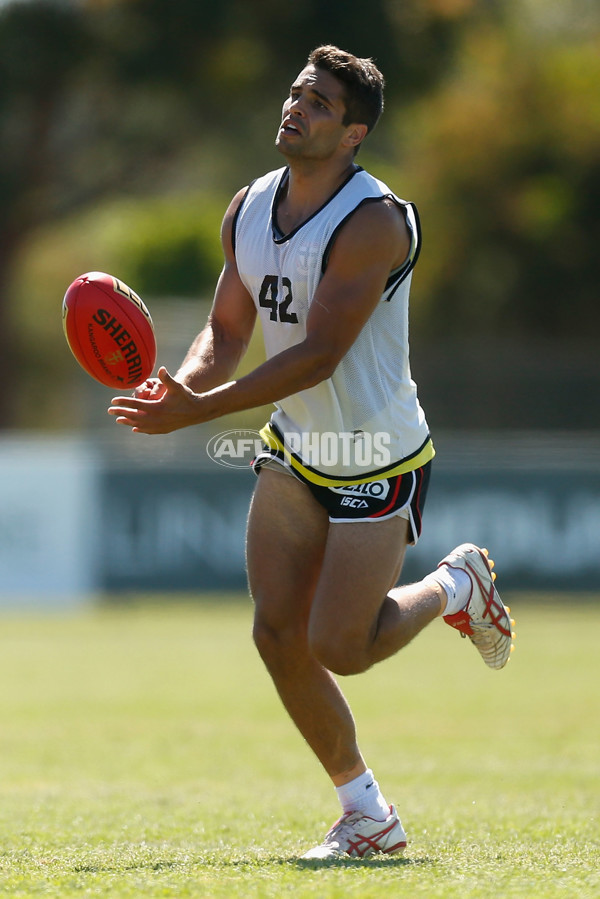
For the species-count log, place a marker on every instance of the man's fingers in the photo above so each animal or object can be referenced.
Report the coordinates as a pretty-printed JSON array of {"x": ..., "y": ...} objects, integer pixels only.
[
  {"x": 129, "y": 402},
  {"x": 123, "y": 420},
  {"x": 167, "y": 379},
  {"x": 154, "y": 414}
]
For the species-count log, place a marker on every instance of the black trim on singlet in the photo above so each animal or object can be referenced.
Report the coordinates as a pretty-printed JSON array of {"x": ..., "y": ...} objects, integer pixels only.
[
  {"x": 278, "y": 236},
  {"x": 236, "y": 216},
  {"x": 398, "y": 275}
]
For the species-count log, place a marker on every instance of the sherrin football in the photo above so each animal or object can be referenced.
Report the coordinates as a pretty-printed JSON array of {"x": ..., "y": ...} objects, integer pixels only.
[{"x": 109, "y": 330}]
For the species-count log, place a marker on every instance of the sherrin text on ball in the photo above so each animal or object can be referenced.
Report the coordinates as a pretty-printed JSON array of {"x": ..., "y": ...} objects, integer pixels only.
[{"x": 109, "y": 330}]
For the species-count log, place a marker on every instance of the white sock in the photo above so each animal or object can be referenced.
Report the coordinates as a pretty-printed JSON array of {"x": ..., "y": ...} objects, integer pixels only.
[
  {"x": 457, "y": 585},
  {"x": 363, "y": 795}
]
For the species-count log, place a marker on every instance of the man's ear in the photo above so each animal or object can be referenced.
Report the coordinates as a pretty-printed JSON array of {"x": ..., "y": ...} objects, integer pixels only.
[{"x": 355, "y": 135}]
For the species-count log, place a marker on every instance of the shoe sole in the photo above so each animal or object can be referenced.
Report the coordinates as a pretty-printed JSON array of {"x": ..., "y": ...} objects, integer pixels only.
[
  {"x": 494, "y": 638},
  {"x": 314, "y": 855}
]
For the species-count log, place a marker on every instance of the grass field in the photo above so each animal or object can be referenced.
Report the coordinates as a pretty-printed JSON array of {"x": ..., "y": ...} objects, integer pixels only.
[{"x": 143, "y": 753}]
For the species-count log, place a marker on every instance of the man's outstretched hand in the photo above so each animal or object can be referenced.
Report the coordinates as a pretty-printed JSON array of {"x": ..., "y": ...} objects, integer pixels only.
[{"x": 159, "y": 405}]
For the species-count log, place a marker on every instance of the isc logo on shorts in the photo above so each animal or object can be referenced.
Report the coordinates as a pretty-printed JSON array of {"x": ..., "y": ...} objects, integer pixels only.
[
  {"x": 372, "y": 489},
  {"x": 354, "y": 502}
]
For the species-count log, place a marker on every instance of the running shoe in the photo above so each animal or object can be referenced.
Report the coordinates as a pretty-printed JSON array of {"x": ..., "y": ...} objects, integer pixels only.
[
  {"x": 356, "y": 835},
  {"x": 485, "y": 620}
]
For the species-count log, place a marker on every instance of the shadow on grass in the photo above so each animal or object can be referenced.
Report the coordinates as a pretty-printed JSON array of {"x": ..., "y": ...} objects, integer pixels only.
[
  {"x": 133, "y": 866},
  {"x": 254, "y": 862},
  {"x": 371, "y": 862}
]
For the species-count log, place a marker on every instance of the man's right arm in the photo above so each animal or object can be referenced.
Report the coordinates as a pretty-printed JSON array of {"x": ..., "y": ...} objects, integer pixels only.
[{"x": 216, "y": 352}]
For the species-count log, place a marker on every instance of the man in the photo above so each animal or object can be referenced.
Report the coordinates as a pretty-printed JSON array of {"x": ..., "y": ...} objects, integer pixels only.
[{"x": 323, "y": 252}]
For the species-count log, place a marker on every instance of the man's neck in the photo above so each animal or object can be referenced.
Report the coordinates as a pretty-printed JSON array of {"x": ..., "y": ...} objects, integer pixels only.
[{"x": 308, "y": 188}]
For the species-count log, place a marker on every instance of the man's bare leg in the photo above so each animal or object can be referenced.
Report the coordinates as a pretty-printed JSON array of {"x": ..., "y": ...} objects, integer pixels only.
[
  {"x": 357, "y": 618},
  {"x": 321, "y": 606},
  {"x": 287, "y": 533}
]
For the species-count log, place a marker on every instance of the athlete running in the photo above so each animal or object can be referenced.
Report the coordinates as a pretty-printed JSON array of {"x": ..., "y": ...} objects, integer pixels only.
[{"x": 323, "y": 253}]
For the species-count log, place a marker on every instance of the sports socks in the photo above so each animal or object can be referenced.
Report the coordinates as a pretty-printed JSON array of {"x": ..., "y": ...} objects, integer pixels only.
[
  {"x": 363, "y": 795},
  {"x": 457, "y": 585}
]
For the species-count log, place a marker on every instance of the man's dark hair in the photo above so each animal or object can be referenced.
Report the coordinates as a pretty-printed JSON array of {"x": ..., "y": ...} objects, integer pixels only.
[{"x": 362, "y": 80}]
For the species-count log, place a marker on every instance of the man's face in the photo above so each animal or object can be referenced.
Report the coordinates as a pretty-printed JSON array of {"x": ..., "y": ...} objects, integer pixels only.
[{"x": 311, "y": 124}]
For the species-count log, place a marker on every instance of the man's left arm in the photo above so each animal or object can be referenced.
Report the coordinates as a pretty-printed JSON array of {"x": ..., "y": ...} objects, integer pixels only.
[{"x": 371, "y": 244}]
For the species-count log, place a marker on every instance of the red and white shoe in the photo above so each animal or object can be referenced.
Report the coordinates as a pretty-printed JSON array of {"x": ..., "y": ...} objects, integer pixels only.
[
  {"x": 485, "y": 620},
  {"x": 357, "y": 835}
]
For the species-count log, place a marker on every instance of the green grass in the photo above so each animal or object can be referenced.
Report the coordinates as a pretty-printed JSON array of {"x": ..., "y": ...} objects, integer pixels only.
[{"x": 143, "y": 753}]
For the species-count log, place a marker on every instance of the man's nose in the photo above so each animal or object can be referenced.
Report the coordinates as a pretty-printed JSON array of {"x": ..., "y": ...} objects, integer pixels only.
[{"x": 297, "y": 106}]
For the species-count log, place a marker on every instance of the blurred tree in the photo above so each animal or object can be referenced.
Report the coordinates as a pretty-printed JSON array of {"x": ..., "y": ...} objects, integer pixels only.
[
  {"x": 492, "y": 127},
  {"x": 114, "y": 97},
  {"x": 504, "y": 158},
  {"x": 41, "y": 49}
]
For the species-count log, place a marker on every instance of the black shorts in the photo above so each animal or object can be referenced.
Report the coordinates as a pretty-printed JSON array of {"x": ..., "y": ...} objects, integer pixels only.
[{"x": 402, "y": 495}]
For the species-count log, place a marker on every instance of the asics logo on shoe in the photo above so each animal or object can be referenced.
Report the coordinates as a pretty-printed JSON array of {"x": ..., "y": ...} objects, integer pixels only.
[
  {"x": 366, "y": 844},
  {"x": 359, "y": 836}
]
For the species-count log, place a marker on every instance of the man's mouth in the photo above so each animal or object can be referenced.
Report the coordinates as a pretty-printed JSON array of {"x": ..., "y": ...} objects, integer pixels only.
[{"x": 288, "y": 127}]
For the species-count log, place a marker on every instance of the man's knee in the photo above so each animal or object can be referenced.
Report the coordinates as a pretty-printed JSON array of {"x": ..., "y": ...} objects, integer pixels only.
[
  {"x": 342, "y": 654},
  {"x": 277, "y": 643}
]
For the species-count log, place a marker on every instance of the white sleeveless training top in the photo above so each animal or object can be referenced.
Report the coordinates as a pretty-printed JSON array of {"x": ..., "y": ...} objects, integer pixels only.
[{"x": 365, "y": 421}]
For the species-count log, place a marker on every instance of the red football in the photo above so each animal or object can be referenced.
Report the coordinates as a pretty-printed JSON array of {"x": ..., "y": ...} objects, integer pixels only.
[{"x": 109, "y": 330}]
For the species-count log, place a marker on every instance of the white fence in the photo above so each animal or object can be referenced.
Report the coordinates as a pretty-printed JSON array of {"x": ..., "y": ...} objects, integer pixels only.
[{"x": 48, "y": 521}]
